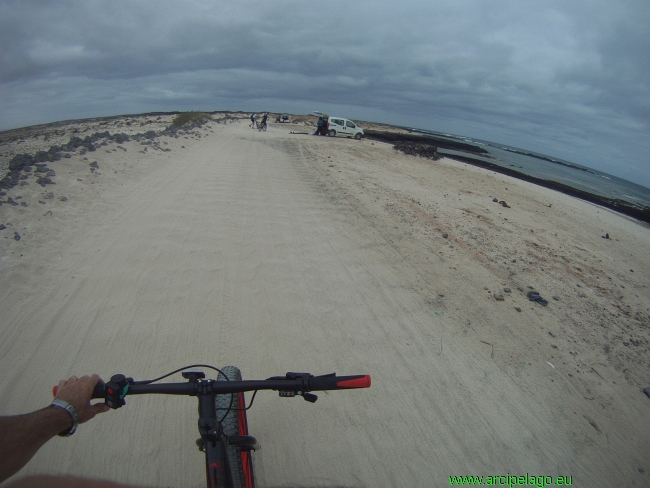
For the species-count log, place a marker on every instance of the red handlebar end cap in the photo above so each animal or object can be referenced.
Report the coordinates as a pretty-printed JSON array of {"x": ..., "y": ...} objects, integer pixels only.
[{"x": 363, "y": 382}]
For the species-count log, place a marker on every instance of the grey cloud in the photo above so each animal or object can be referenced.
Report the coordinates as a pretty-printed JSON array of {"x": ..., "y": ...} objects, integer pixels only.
[{"x": 545, "y": 76}]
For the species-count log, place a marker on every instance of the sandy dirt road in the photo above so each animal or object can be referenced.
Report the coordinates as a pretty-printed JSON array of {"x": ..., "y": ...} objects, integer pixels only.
[{"x": 243, "y": 249}]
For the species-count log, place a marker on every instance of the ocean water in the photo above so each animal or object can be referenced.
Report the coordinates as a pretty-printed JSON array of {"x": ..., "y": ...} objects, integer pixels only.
[{"x": 558, "y": 170}]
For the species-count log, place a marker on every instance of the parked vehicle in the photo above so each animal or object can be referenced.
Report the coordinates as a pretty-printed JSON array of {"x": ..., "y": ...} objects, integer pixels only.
[
  {"x": 338, "y": 126},
  {"x": 286, "y": 118},
  {"x": 344, "y": 127}
]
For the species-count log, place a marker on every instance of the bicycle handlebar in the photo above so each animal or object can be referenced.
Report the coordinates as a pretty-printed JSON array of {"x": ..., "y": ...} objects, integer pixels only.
[{"x": 289, "y": 385}]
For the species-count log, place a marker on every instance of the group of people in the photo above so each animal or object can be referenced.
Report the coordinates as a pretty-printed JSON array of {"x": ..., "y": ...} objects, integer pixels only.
[
  {"x": 322, "y": 127},
  {"x": 262, "y": 126}
]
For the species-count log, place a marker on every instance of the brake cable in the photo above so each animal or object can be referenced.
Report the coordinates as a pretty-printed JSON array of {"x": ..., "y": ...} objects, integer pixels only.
[{"x": 232, "y": 398}]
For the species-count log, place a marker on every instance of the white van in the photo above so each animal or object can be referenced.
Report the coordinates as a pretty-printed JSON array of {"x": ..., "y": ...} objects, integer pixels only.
[
  {"x": 339, "y": 126},
  {"x": 344, "y": 127}
]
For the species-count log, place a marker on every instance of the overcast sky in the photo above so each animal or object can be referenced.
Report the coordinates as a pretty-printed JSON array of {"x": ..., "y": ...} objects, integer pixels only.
[{"x": 565, "y": 78}]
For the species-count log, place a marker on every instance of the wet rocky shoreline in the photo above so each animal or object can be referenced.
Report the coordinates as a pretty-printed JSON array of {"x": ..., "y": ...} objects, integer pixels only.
[{"x": 427, "y": 147}]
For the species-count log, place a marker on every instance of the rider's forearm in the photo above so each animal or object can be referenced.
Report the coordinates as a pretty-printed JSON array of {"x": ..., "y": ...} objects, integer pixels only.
[{"x": 23, "y": 435}]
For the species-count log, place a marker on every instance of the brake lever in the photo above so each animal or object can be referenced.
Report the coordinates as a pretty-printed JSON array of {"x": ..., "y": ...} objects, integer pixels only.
[{"x": 310, "y": 397}]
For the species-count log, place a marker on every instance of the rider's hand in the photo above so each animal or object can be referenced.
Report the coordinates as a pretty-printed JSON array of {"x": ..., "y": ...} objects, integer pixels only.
[{"x": 78, "y": 392}]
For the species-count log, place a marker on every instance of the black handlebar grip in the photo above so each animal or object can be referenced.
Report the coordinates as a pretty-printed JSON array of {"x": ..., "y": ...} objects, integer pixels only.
[
  {"x": 99, "y": 391},
  {"x": 321, "y": 383}
]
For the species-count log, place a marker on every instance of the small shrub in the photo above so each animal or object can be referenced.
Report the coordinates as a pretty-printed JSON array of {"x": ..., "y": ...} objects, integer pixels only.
[{"x": 185, "y": 118}]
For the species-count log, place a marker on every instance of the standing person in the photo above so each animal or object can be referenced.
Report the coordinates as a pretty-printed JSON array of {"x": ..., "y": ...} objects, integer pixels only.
[
  {"x": 326, "y": 126},
  {"x": 253, "y": 117},
  {"x": 264, "y": 119},
  {"x": 319, "y": 128}
]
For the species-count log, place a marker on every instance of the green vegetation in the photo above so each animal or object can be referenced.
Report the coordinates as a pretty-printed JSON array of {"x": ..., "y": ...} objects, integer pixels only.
[{"x": 185, "y": 118}]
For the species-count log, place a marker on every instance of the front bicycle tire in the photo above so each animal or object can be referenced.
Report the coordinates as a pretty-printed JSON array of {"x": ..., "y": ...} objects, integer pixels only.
[{"x": 235, "y": 423}]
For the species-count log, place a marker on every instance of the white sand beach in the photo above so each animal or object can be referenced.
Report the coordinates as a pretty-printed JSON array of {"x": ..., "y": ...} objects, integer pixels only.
[{"x": 280, "y": 252}]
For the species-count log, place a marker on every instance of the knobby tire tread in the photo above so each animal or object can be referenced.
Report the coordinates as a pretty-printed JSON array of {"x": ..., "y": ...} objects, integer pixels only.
[{"x": 231, "y": 425}]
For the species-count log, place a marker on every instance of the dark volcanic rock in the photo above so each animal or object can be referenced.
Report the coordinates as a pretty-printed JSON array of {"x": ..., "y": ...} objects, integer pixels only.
[
  {"x": 120, "y": 138},
  {"x": 415, "y": 149},
  {"x": 428, "y": 140},
  {"x": 44, "y": 180},
  {"x": 20, "y": 160}
]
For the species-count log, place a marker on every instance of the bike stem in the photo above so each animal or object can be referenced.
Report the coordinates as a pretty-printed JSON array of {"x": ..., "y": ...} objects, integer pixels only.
[
  {"x": 212, "y": 433},
  {"x": 209, "y": 428}
]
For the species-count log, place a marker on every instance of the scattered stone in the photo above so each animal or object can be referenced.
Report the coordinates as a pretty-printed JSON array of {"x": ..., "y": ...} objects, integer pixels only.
[
  {"x": 16, "y": 236},
  {"x": 64, "y": 199},
  {"x": 24, "y": 204},
  {"x": 441, "y": 294},
  {"x": 556, "y": 298},
  {"x": 495, "y": 200},
  {"x": 11, "y": 201},
  {"x": 23, "y": 183},
  {"x": 553, "y": 346},
  {"x": 606, "y": 236},
  {"x": 3, "y": 226},
  {"x": 445, "y": 235},
  {"x": 49, "y": 196},
  {"x": 593, "y": 423},
  {"x": 551, "y": 333},
  {"x": 41, "y": 201},
  {"x": 518, "y": 309},
  {"x": 51, "y": 173},
  {"x": 44, "y": 181},
  {"x": 507, "y": 290},
  {"x": 499, "y": 297},
  {"x": 504, "y": 204},
  {"x": 647, "y": 391},
  {"x": 94, "y": 164}
]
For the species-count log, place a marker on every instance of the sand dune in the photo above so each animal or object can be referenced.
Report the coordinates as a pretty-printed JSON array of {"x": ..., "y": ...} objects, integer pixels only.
[{"x": 278, "y": 252}]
